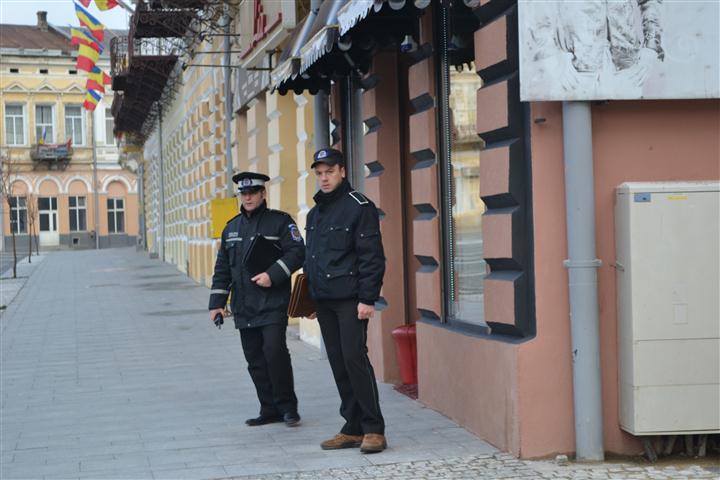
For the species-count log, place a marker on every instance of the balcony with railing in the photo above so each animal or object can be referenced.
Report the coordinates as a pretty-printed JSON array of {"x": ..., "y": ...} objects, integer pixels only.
[
  {"x": 144, "y": 65},
  {"x": 51, "y": 156}
]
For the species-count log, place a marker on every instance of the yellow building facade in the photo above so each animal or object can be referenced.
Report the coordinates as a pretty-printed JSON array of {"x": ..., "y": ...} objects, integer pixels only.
[{"x": 41, "y": 97}]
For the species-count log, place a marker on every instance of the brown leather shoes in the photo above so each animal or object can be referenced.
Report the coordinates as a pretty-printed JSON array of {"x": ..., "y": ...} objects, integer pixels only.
[
  {"x": 342, "y": 441},
  {"x": 373, "y": 443}
]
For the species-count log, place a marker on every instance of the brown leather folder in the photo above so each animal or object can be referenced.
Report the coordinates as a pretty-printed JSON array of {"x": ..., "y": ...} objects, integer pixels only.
[{"x": 301, "y": 303}]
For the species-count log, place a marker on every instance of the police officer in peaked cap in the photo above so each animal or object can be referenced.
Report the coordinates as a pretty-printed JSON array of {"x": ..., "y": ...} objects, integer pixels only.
[
  {"x": 345, "y": 264},
  {"x": 259, "y": 303}
]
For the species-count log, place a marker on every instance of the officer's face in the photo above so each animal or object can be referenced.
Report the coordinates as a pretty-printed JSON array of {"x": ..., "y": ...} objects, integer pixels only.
[
  {"x": 329, "y": 176},
  {"x": 251, "y": 200}
]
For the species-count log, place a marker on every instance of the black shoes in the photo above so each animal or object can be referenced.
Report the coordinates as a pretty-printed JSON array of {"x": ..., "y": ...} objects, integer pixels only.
[
  {"x": 291, "y": 419},
  {"x": 263, "y": 420}
]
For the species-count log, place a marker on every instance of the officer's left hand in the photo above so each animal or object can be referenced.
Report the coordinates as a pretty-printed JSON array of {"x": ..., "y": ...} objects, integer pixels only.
[
  {"x": 262, "y": 280},
  {"x": 365, "y": 312}
]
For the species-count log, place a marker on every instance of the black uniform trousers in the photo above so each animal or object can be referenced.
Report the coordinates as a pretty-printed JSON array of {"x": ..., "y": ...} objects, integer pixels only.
[
  {"x": 268, "y": 359},
  {"x": 345, "y": 338}
]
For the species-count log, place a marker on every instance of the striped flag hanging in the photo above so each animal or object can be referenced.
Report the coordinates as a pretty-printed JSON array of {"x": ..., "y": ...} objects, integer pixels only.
[
  {"x": 103, "y": 5},
  {"x": 93, "y": 24},
  {"x": 97, "y": 79},
  {"x": 84, "y": 37},
  {"x": 91, "y": 100},
  {"x": 87, "y": 57}
]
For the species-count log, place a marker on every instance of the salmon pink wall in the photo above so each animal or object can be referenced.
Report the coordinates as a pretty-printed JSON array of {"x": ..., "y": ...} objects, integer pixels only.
[{"x": 632, "y": 141}]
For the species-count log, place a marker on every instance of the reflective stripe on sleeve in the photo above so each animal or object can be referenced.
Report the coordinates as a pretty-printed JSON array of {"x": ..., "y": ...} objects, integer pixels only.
[
  {"x": 284, "y": 267},
  {"x": 219, "y": 292}
]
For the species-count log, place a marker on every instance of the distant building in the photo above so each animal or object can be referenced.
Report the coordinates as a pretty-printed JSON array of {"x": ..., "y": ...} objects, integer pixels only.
[{"x": 46, "y": 136}]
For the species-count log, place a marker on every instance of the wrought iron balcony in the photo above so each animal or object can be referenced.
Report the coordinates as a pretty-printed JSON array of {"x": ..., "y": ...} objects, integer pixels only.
[
  {"x": 52, "y": 156},
  {"x": 165, "y": 23}
]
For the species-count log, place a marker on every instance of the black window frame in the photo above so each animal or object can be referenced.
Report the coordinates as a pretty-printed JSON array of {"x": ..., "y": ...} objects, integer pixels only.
[
  {"x": 18, "y": 214},
  {"x": 77, "y": 212},
  {"x": 113, "y": 213}
]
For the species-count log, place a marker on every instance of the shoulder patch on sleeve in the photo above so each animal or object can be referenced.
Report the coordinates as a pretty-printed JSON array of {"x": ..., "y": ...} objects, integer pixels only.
[
  {"x": 295, "y": 232},
  {"x": 359, "y": 197}
]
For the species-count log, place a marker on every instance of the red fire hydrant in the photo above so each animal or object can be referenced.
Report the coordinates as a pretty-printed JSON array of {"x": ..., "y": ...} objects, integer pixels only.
[{"x": 406, "y": 348}]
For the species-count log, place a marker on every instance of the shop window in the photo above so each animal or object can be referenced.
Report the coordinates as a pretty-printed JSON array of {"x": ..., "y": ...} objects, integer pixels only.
[
  {"x": 116, "y": 215},
  {"x": 18, "y": 214},
  {"x": 15, "y": 124},
  {"x": 465, "y": 268},
  {"x": 74, "y": 124},
  {"x": 44, "y": 124},
  {"x": 78, "y": 214}
]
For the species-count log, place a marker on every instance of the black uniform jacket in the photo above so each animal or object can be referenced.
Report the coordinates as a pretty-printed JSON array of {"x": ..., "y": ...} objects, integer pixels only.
[
  {"x": 345, "y": 257},
  {"x": 255, "y": 306}
]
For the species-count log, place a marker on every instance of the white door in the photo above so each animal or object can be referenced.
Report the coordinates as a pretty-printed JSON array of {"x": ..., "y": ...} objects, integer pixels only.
[{"x": 47, "y": 210}]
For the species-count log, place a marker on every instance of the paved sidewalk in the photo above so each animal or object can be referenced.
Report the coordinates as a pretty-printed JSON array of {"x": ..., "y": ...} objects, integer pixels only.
[
  {"x": 110, "y": 369},
  {"x": 10, "y": 287}
]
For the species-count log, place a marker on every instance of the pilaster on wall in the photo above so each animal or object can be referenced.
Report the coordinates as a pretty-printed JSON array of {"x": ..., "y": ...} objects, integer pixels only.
[
  {"x": 281, "y": 131},
  {"x": 383, "y": 158},
  {"x": 504, "y": 173},
  {"x": 257, "y": 136},
  {"x": 424, "y": 181},
  {"x": 304, "y": 150}
]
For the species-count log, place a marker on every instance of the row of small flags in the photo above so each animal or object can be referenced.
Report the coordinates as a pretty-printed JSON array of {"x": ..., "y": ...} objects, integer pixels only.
[{"x": 89, "y": 40}]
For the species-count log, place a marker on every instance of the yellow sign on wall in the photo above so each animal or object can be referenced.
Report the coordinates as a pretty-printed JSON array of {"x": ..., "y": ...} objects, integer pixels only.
[{"x": 221, "y": 211}]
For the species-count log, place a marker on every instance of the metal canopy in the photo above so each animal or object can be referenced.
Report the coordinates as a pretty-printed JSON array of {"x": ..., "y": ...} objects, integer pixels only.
[{"x": 336, "y": 42}]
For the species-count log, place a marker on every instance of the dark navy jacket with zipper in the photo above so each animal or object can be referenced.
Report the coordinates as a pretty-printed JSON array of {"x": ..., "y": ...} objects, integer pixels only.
[
  {"x": 344, "y": 258},
  {"x": 252, "y": 305}
]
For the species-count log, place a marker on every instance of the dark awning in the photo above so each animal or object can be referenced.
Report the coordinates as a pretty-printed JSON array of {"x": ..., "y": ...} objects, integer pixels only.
[
  {"x": 316, "y": 41},
  {"x": 312, "y": 39}
]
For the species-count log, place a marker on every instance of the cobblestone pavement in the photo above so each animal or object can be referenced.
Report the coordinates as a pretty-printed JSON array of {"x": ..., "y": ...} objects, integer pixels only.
[{"x": 498, "y": 466}]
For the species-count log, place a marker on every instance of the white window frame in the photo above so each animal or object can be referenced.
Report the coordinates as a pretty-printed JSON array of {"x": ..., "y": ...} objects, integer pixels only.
[
  {"x": 109, "y": 138},
  {"x": 15, "y": 213},
  {"x": 38, "y": 125},
  {"x": 69, "y": 130},
  {"x": 75, "y": 211},
  {"x": 11, "y": 119},
  {"x": 113, "y": 211}
]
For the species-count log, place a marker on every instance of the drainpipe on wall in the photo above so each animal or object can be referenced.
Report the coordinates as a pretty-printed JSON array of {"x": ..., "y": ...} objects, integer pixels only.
[
  {"x": 162, "y": 189},
  {"x": 141, "y": 210},
  {"x": 95, "y": 183},
  {"x": 228, "y": 104},
  {"x": 582, "y": 267},
  {"x": 321, "y": 108}
]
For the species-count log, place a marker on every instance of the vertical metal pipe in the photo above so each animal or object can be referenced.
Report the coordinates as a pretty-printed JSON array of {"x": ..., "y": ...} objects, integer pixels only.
[
  {"x": 228, "y": 105},
  {"x": 141, "y": 204},
  {"x": 162, "y": 188},
  {"x": 321, "y": 106},
  {"x": 582, "y": 267},
  {"x": 96, "y": 193},
  {"x": 358, "y": 133}
]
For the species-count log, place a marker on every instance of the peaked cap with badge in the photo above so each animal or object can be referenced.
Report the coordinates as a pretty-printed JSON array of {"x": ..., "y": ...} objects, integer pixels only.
[
  {"x": 328, "y": 156},
  {"x": 250, "y": 181}
]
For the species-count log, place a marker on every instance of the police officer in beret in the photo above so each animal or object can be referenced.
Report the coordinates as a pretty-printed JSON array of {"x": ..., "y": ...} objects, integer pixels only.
[
  {"x": 259, "y": 303},
  {"x": 345, "y": 264}
]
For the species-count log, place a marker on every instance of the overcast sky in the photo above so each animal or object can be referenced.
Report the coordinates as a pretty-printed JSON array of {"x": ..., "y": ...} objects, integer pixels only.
[{"x": 61, "y": 13}]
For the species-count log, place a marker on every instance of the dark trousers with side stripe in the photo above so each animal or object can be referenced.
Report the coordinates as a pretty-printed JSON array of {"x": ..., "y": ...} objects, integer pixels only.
[
  {"x": 345, "y": 340},
  {"x": 268, "y": 359}
]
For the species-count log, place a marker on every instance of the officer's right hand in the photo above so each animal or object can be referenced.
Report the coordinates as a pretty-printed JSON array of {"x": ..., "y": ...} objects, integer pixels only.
[{"x": 214, "y": 312}]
